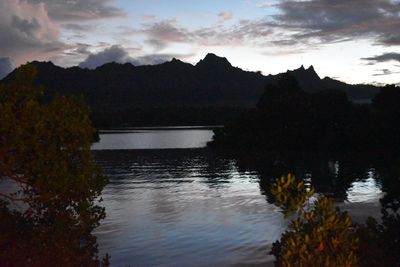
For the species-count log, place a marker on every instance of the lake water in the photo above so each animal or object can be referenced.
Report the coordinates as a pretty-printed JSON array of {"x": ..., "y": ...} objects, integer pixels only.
[
  {"x": 189, "y": 207},
  {"x": 154, "y": 138}
]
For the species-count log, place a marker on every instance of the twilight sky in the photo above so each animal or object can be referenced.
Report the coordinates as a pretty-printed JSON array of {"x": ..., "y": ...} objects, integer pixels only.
[{"x": 356, "y": 41}]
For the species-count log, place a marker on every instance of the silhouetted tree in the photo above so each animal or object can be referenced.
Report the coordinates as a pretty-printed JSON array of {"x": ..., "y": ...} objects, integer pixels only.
[
  {"x": 45, "y": 154},
  {"x": 289, "y": 119},
  {"x": 380, "y": 241},
  {"x": 386, "y": 117}
]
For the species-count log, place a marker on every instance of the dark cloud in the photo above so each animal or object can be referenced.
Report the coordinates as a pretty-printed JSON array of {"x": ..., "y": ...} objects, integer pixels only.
[
  {"x": 384, "y": 58},
  {"x": 300, "y": 24},
  {"x": 79, "y": 50},
  {"x": 72, "y": 10},
  {"x": 27, "y": 32},
  {"x": 30, "y": 29},
  {"x": 82, "y": 48},
  {"x": 339, "y": 20},
  {"x": 157, "y": 44},
  {"x": 78, "y": 27},
  {"x": 119, "y": 54},
  {"x": 303, "y": 24},
  {"x": 384, "y": 72},
  {"x": 6, "y": 66}
]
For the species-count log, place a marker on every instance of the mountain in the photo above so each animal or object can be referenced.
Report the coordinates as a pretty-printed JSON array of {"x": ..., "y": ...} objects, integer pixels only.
[
  {"x": 311, "y": 82},
  {"x": 212, "y": 83}
]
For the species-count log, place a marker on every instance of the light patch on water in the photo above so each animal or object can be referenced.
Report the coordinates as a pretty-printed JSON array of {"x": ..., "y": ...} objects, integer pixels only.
[
  {"x": 365, "y": 190},
  {"x": 162, "y": 138}
]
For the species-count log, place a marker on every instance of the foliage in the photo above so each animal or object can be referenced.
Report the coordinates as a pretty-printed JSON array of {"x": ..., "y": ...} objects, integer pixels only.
[
  {"x": 318, "y": 235},
  {"x": 45, "y": 152},
  {"x": 289, "y": 119},
  {"x": 380, "y": 241}
]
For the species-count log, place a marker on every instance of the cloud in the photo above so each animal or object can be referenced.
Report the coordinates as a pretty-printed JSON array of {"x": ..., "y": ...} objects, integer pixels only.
[
  {"x": 79, "y": 50},
  {"x": 77, "y": 27},
  {"x": 160, "y": 34},
  {"x": 119, "y": 54},
  {"x": 280, "y": 53},
  {"x": 296, "y": 23},
  {"x": 114, "y": 53},
  {"x": 225, "y": 16},
  {"x": 73, "y": 10},
  {"x": 31, "y": 29},
  {"x": 338, "y": 20},
  {"x": 6, "y": 66},
  {"x": 384, "y": 72},
  {"x": 383, "y": 58},
  {"x": 27, "y": 32},
  {"x": 149, "y": 17},
  {"x": 265, "y": 4}
]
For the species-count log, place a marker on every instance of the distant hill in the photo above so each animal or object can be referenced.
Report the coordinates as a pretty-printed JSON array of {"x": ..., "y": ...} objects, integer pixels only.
[{"x": 212, "y": 83}]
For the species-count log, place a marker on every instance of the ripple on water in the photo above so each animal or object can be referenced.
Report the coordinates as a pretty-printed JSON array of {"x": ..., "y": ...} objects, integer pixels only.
[
  {"x": 172, "y": 209},
  {"x": 365, "y": 190},
  {"x": 188, "y": 208}
]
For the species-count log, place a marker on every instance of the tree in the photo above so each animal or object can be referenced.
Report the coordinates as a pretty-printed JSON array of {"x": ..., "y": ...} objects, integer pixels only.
[
  {"x": 45, "y": 153},
  {"x": 318, "y": 235},
  {"x": 321, "y": 235},
  {"x": 380, "y": 241}
]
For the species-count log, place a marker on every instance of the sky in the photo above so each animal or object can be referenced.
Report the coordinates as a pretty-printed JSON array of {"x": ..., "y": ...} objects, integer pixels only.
[{"x": 355, "y": 41}]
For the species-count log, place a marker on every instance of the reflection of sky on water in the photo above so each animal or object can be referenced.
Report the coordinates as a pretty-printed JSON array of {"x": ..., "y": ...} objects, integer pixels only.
[
  {"x": 170, "y": 207},
  {"x": 365, "y": 190},
  {"x": 174, "y": 207},
  {"x": 154, "y": 139}
]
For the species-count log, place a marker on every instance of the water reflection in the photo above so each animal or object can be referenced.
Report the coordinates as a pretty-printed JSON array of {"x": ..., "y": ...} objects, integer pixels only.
[
  {"x": 344, "y": 179},
  {"x": 174, "y": 207},
  {"x": 153, "y": 138},
  {"x": 365, "y": 189}
]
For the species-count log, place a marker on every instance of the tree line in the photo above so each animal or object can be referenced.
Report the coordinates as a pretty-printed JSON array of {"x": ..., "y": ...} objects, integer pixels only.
[{"x": 289, "y": 119}]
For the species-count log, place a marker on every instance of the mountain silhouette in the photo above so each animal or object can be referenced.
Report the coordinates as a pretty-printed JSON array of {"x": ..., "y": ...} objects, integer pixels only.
[{"x": 213, "y": 82}]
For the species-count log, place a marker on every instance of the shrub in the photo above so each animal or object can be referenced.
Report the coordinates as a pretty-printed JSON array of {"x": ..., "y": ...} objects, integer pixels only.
[{"x": 318, "y": 234}]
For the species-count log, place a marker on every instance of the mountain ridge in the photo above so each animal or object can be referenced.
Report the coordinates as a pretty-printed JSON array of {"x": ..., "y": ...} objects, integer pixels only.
[{"x": 212, "y": 82}]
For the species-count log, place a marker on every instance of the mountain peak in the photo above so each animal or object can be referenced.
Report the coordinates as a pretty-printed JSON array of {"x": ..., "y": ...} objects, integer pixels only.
[
  {"x": 42, "y": 63},
  {"x": 309, "y": 72},
  {"x": 175, "y": 60},
  {"x": 213, "y": 60},
  {"x": 177, "y": 64},
  {"x": 210, "y": 56}
]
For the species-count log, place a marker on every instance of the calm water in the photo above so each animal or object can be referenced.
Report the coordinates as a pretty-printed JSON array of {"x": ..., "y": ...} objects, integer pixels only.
[
  {"x": 189, "y": 207},
  {"x": 154, "y": 138}
]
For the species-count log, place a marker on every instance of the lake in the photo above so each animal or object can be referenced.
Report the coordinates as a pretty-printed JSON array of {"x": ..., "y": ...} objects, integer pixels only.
[
  {"x": 154, "y": 138},
  {"x": 172, "y": 202}
]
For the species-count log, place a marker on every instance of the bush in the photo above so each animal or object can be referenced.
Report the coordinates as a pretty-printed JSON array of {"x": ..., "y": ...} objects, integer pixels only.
[{"x": 318, "y": 234}]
